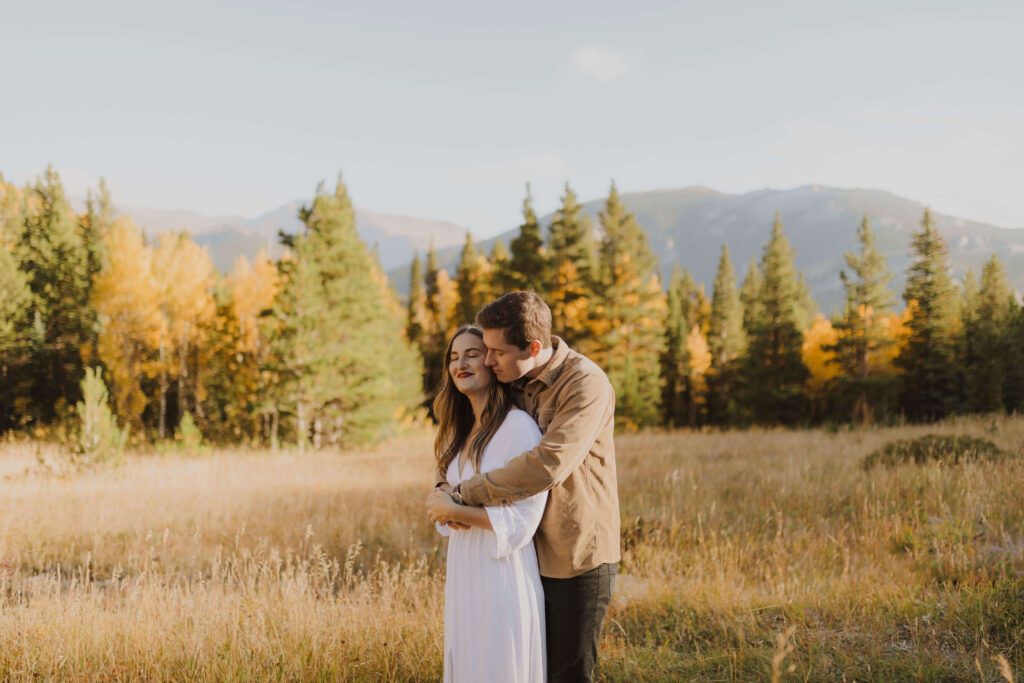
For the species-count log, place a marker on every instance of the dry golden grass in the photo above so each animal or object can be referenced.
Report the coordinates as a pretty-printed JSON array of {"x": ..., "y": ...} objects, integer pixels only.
[{"x": 748, "y": 556}]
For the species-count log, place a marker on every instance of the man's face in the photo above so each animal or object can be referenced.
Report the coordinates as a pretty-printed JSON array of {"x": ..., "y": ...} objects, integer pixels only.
[{"x": 508, "y": 361}]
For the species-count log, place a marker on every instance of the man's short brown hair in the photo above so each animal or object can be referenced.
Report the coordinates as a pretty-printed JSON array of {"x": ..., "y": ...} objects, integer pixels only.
[{"x": 523, "y": 315}]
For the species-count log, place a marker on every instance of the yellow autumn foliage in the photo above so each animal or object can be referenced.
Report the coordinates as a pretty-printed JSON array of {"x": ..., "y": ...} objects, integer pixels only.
[
  {"x": 127, "y": 298},
  {"x": 819, "y": 361}
]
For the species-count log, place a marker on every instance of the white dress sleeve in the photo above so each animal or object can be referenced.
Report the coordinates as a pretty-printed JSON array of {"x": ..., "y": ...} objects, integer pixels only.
[{"x": 514, "y": 525}]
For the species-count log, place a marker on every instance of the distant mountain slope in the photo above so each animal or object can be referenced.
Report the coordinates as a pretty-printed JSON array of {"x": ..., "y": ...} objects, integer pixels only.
[
  {"x": 688, "y": 226},
  {"x": 228, "y": 237}
]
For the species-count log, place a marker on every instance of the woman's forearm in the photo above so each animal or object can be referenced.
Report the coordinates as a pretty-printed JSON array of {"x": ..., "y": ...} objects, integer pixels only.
[{"x": 473, "y": 516}]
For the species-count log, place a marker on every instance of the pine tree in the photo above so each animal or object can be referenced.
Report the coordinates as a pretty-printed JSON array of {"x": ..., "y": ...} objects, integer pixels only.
[
  {"x": 501, "y": 271},
  {"x": 862, "y": 337},
  {"x": 56, "y": 263},
  {"x": 987, "y": 331},
  {"x": 727, "y": 342},
  {"x": 571, "y": 261},
  {"x": 775, "y": 369},
  {"x": 528, "y": 263},
  {"x": 675, "y": 359},
  {"x": 343, "y": 355},
  {"x": 1013, "y": 384},
  {"x": 433, "y": 341},
  {"x": 806, "y": 308},
  {"x": 14, "y": 302},
  {"x": 927, "y": 358},
  {"x": 632, "y": 312},
  {"x": 471, "y": 283},
  {"x": 416, "y": 309},
  {"x": 750, "y": 293},
  {"x": 95, "y": 224},
  {"x": 570, "y": 238}
]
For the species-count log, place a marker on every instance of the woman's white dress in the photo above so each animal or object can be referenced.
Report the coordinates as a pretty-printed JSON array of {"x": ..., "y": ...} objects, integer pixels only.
[{"x": 494, "y": 602}]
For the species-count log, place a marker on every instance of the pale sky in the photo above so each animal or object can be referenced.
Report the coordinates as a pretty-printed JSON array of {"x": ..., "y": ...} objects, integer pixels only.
[{"x": 446, "y": 109}]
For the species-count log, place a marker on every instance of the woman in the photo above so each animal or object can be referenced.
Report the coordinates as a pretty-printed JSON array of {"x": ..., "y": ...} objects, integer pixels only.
[{"x": 494, "y": 603}]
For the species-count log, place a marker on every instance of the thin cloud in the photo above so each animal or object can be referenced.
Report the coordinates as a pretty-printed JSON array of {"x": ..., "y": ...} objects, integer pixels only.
[{"x": 600, "y": 63}]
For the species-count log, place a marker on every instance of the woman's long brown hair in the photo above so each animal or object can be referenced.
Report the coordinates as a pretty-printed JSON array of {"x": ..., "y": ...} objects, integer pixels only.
[{"x": 455, "y": 417}]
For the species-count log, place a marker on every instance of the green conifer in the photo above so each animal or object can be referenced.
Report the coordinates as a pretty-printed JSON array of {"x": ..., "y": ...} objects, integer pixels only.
[
  {"x": 987, "y": 330},
  {"x": 416, "y": 308},
  {"x": 750, "y": 293},
  {"x": 928, "y": 390},
  {"x": 775, "y": 369},
  {"x": 727, "y": 342},
  {"x": 1013, "y": 384},
  {"x": 570, "y": 238},
  {"x": 571, "y": 272},
  {"x": 528, "y": 263},
  {"x": 348, "y": 368},
  {"x": 55, "y": 260},
  {"x": 501, "y": 280},
  {"x": 675, "y": 359},
  {"x": 471, "y": 284},
  {"x": 632, "y": 312},
  {"x": 861, "y": 333}
]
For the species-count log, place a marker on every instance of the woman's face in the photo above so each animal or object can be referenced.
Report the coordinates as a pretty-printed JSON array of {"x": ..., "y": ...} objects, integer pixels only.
[{"x": 466, "y": 364}]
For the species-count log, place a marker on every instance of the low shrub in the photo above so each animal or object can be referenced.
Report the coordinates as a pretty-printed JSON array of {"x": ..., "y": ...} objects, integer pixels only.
[{"x": 952, "y": 450}]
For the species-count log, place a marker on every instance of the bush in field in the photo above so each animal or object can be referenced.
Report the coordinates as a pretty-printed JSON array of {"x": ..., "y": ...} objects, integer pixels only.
[
  {"x": 946, "y": 449},
  {"x": 97, "y": 439}
]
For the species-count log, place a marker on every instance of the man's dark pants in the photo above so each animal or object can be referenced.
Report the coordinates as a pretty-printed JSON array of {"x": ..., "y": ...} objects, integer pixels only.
[{"x": 573, "y": 611}]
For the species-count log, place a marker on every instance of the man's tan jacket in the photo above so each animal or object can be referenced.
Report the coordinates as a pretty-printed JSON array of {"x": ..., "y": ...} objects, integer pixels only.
[{"x": 574, "y": 405}]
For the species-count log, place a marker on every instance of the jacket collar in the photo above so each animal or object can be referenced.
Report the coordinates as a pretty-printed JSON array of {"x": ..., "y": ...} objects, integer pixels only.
[{"x": 549, "y": 374}]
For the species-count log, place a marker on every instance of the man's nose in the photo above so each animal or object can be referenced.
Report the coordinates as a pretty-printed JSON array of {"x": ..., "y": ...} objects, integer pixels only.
[{"x": 489, "y": 360}]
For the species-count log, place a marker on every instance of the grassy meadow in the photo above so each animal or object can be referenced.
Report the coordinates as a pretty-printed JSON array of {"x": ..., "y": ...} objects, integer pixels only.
[{"x": 760, "y": 555}]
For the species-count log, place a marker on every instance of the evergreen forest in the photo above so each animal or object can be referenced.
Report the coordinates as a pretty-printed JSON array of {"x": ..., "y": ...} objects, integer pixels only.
[{"x": 315, "y": 349}]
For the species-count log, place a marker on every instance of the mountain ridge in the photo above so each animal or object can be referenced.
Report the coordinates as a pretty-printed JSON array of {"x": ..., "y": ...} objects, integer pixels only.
[{"x": 687, "y": 226}]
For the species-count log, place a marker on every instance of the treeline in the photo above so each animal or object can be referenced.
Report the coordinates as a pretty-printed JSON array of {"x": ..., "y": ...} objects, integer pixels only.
[
  {"x": 751, "y": 352},
  {"x": 316, "y": 349},
  {"x": 308, "y": 349}
]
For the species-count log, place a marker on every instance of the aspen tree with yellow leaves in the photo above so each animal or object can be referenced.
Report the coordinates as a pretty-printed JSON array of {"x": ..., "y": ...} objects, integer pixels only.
[
  {"x": 186, "y": 279},
  {"x": 818, "y": 356},
  {"x": 699, "y": 356},
  {"x": 238, "y": 385},
  {"x": 128, "y": 298}
]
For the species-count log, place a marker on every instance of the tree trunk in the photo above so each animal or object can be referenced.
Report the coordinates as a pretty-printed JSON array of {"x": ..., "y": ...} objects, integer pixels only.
[
  {"x": 162, "y": 420},
  {"x": 301, "y": 428}
]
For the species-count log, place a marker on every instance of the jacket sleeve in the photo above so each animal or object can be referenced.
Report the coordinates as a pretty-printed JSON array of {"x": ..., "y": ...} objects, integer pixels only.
[
  {"x": 514, "y": 525},
  {"x": 588, "y": 404}
]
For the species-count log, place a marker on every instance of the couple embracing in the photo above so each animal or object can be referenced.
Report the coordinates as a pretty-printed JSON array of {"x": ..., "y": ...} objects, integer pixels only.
[{"x": 526, "y": 492}]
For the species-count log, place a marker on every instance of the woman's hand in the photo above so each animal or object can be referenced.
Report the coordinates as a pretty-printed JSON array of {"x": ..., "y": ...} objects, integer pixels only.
[{"x": 440, "y": 507}]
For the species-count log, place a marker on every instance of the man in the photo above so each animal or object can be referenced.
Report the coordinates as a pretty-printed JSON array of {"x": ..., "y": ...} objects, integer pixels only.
[{"x": 577, "y": 542}]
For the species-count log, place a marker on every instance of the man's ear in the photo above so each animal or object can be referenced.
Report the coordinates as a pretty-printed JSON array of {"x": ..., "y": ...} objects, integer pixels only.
[{"x": 535, "y": 348}]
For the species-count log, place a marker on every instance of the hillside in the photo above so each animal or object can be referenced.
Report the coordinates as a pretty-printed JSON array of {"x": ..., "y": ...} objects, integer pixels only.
[{"x": 688, "y": 226}]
